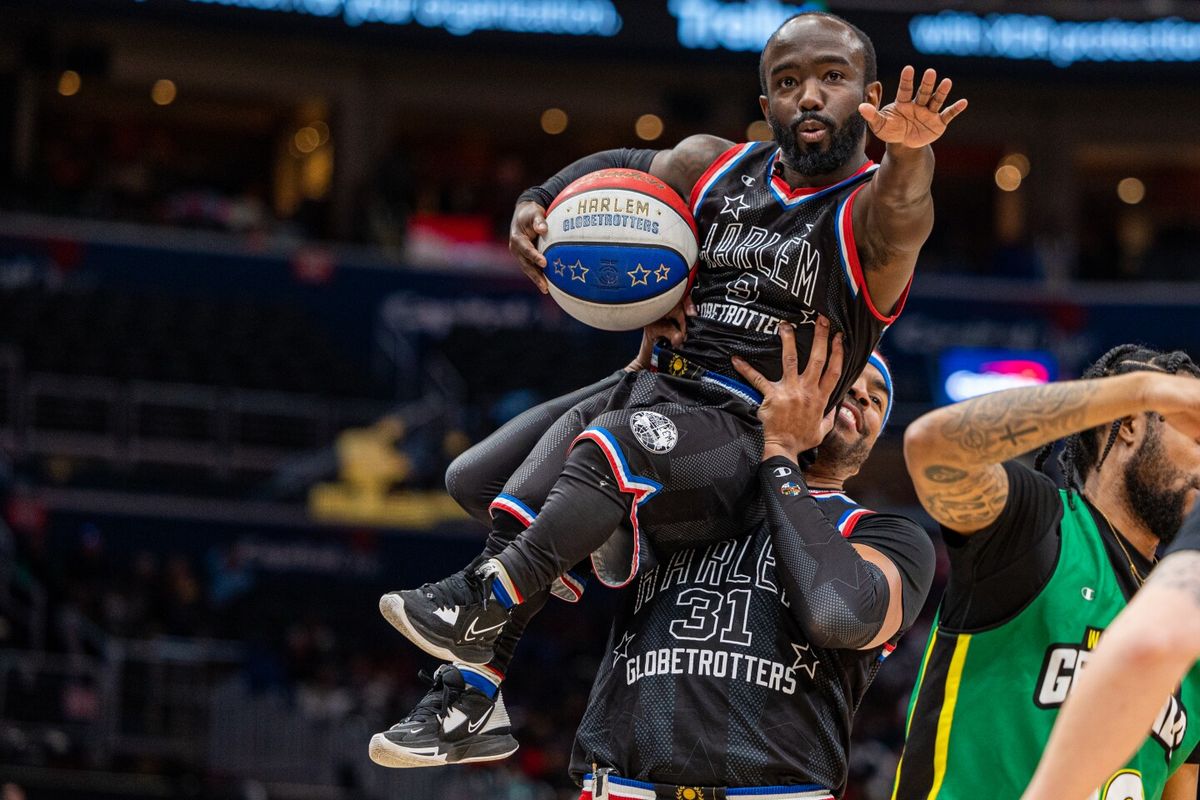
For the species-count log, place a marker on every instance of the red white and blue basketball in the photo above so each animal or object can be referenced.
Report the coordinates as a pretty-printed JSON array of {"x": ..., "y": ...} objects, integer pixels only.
[{"x": 619, "y": 249}]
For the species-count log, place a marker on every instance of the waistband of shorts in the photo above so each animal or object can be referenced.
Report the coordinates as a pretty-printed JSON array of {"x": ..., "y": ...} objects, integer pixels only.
[
  {"x": 628, "y": 789},
  {"x": 668, "y": 362}
]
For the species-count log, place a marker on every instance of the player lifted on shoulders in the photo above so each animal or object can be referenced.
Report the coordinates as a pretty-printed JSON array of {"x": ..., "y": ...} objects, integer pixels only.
[{"x": 805, "y": 229}]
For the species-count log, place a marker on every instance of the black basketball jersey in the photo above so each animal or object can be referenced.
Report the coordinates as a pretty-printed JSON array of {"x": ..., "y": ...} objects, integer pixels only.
[
  {"x": 708, "y": 680},
  {"x": 769, "y": 253}
]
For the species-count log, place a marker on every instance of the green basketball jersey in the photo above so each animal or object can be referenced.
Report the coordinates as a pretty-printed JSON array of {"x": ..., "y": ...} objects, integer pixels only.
[{"x": 985, "y": 702}]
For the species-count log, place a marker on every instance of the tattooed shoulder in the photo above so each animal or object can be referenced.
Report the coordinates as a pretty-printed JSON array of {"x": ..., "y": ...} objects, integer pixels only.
[{"x": 965, "y": 501}]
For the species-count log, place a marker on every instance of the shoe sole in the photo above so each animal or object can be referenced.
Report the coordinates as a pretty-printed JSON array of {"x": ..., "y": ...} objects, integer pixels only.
[
  {"x": 387, "y": 753},
  {"x": 391, "y": 606}
]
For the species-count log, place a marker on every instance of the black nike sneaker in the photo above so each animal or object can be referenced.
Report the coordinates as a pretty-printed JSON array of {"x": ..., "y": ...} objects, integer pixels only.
[
  {"x": 453, "y": 724},
  {"x": 455, "y": 619}
]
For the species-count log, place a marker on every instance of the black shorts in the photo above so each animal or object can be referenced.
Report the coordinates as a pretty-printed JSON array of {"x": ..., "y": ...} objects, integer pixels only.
[{"x": 686, "y": 452}]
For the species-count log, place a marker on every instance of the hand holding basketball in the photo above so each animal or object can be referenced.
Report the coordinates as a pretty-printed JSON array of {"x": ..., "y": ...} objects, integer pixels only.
[
  {"x": 793, "y": 408},
  {"x": 914, "y": 119},
  {"x": 528, "y": 223}
]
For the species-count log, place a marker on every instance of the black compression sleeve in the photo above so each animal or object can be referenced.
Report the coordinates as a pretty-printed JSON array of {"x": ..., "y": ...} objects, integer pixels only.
[
  {"x": 839, "y": 598},
  {"x": 627, "y": 157}
]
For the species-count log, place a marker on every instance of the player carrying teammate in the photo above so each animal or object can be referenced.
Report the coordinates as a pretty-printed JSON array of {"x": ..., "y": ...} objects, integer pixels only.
[
  {"x": 1037, "y": 573},
  {"x": 786, "y": 625},
  {"x": 787, "y": 233},
  {"x": 740, "y": 665}
]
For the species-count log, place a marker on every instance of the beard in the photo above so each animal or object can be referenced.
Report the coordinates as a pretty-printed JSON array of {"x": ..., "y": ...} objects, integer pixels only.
[
  {"x": 1150, "y": 487},
  {"x": 809, "y": 159},
  {"x": 842, "y": 455}
]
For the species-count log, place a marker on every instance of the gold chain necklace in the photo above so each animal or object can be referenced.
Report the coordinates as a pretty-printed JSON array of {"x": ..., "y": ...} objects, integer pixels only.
[{"x": 1133, "y": 570}]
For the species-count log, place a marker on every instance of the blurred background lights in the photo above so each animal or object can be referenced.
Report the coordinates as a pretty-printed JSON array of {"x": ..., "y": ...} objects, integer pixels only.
[
  {"x": 69, "y": 83},
  {"x": 758, "y": 131},
  {"x": 648, "y": 127},
  {"x": 1018, "y": 160},
  {"x": 1131, "y": 191},
  {"x": 1008, "y": 178},
  {"x": 163, "y": 92},
  {"x": 307, "y": 139},
  {"x": 554, "y": 121}
]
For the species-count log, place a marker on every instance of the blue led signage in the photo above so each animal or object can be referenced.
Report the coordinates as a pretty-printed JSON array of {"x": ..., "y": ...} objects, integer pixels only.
[{"x": 1037, "y": 38}]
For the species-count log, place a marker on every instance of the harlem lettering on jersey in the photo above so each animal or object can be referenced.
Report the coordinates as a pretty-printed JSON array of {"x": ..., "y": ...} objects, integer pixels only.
[
  {"x": 770, "y": 253},
  {"x": 1064, "y": 663},
  {"x": 709, "y": 679},
  {"x": 709, "y": 615}
]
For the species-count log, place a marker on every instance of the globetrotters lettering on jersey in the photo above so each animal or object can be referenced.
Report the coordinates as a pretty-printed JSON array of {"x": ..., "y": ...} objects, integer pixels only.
[
  {"x": 709, "y": 679},
  {"x": 770, "y": 253}
]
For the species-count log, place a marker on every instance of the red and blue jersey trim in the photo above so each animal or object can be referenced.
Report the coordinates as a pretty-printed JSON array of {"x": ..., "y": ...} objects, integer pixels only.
[
  {"x": 717, "y": 170},
  {"x": 849, "y": 519},
  {"x": 513, "y": 505},
  {"x": 852, "y": 268},
  {"x": 790, "y": 198},
  {"x": 641, "y": 487}
]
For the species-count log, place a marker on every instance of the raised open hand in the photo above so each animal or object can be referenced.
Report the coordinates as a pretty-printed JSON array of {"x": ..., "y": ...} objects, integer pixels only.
[{"x": 914, "y": 119}]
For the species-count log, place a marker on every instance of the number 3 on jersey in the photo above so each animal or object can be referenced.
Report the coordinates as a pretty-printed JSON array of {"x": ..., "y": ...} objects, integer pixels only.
[
  {"x": 1125, "y": 785},
  {"x": 707, "y": 610}
]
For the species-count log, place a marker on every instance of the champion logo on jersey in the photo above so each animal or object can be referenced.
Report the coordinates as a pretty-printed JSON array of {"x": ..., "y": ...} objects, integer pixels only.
[
  {"x": 782, "y": 472},
  {"x": 654, "y": 432}
]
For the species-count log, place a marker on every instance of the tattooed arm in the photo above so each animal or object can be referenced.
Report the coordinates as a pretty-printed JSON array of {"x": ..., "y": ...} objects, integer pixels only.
[
  {"x": 1140, "y": 660},
  {"x": 955, "y": 454}
]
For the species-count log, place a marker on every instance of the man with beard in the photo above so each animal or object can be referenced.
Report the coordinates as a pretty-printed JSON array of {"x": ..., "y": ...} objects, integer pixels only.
[
  {"x": 753, "y": 651},
  {"x": 1037, "y": 573},
  {"x": 809, "y": 232}
]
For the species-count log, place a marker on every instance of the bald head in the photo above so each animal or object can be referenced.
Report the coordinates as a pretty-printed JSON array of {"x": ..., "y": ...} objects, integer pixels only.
[{"x": 794, "y": 26}]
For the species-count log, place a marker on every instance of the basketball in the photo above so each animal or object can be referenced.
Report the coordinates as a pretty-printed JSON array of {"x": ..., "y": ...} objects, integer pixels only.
[{"x": 619, "y": 249}]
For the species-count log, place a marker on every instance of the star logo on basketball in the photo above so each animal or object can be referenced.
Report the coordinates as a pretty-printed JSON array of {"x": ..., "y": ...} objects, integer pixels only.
[
  {"x": 559, "y": 266},
  {"x": 578, "y": 271},
  {"x": 662, "y": 273},
  {"x": 654, "y": 432},
  {"x": 639, "y": 276}
]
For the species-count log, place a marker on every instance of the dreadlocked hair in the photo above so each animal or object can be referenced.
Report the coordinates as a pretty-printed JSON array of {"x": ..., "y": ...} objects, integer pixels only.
[{"x": 1081, "y": 452}]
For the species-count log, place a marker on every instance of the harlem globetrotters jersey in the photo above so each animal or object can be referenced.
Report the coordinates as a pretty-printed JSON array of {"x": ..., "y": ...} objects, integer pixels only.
[
  {"x": 769, "y": 253},
  {"x": 709, "y": 680}
]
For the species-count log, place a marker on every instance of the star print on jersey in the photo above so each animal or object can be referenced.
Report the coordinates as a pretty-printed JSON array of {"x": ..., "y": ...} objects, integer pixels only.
[
  {"x": 559, "y": 266},
  {"x": 805, "y": 659},
  {"x": 622, "y": 648},
  {"x": 735, "y": 205},
  {"x": 578, "y": 271},
  {"x": 639, "y": 276},
  {"x": 807, "y": 318},
  {"x": 662, "y": 273}
]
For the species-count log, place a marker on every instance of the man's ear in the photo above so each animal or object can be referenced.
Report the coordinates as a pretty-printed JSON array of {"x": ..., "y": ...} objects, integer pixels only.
[{"x": 874, "y": 93}]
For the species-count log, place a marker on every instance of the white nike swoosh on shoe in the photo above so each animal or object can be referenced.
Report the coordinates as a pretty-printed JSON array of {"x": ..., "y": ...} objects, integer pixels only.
[
  {"x": 453, "y": 719},
  {"x": 472, "y": 633},
  {"x": 473, "y": 727}
]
